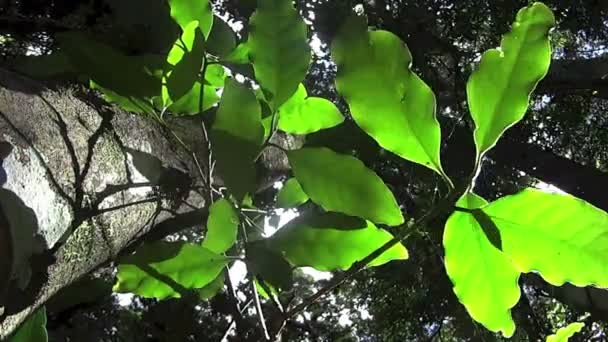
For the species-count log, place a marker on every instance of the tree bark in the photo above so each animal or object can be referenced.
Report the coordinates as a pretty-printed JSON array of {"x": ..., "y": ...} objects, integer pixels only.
[
  {"x": 83, "y": 182},
  {"x": 567, "y": 76}
]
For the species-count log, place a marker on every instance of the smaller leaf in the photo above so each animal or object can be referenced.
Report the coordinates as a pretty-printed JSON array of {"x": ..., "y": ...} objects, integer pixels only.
[
  {"x": 221, "y": 41},
  {"x": 291, "y": 194},
  {"x": 269, "y": 266},
  {"x": 186, "y": 11},
  {"x": 222, "y": 227},
  {"x": 278, "y": 49},
  {"x": 564, "y": 334},
  {"x": 164, "y": 269},
  {"x": 189, "y": 103},
  {"x": 213, "y": 288},
  {"x": 237, "y": 136},
  {"x": 262, "y": 291},
  {"x": 332, "y": 241},
  {"x": 342, "y": 183},
  {"x": 215, "y": 75},
  {"x": 32, "y": 330},
  {"x": 186, "y": 59},
  {"x": 131, "y": 104},
  {"x": 240, "y": 54},
  {"x": 302, "y": 114}
]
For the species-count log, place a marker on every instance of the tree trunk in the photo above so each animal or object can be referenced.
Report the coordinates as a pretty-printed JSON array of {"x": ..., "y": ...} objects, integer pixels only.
[{"x": 83, "y": 181}]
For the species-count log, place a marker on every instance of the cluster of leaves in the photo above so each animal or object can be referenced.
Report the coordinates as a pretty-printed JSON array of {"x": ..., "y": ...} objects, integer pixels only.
[{"x": 487, "y": 245}]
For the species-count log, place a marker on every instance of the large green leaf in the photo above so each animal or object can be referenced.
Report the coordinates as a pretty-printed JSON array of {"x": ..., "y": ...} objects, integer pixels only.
[
  {"x": 185, "y": 60},
  {"x": 108, "y": 67},
  {"x": 302, "y": 114},
  {"x": 386, "y": 99},
  {"x": 563, "y": 238},
  {"x": 222, "y": 226},
  {"x": 342, "y": 183},
  {"x": 32, "y": 330},
  {"x": 498, "y": 91},
  {"x": 291, "y": 194},
  {"x": 564, "y": 334},
  {"x": 332, "y": 241},
  {"x": 237, "y": 136},
  {"x": 484, "y": 278},
  {"x": 186, "y": 11},
  {"x": 278, "y": 49},
  {"x": 161, "y": 269}
]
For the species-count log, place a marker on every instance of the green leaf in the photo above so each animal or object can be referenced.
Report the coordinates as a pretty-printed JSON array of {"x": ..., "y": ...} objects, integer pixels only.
[
  {"x": 162, "y": 269},
  {"x": 386, "y": 99},
  {"x": 332, "y": 241},
  {"x": 262, "y": 291},
  {"x": 269, "y": 266},
  {"x": 186, "y": 11},
  {"x": 215, "y": 75},
  {"x": 237, "y": 136},
  {"x": 302, "y": 114},
  {"x": 186, "y": 60},
  {"x": 32, "y": 330},
  {"x": 291, "y": 194},
  {"x": 108, "y": 67},
  {"x": 484, "y": 278},
  {"x": 221, "y": 41},
  {"x": 240, "y": 54},
  {"x": 563, "y": 238},
  {"x": 213, "y": 288},
  {"x": 278, "y": 49},
  {"x": 564, "y": 334},
  {"x": 342, "y": 183},
  {"x": 131, "y": 104},
  {"x": 222, "y": 226},
  {"x": 189, "y": 103},
  {"x": 498, "y": 91}
]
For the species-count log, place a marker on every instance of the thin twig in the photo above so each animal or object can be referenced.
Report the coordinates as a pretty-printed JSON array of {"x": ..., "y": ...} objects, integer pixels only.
[{"x": 258, "y": 309}]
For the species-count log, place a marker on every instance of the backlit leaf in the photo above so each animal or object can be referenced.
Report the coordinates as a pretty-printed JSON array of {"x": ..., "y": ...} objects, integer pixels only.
[
  {"x": 302, "y": 114},
  {"x": 222, "y": 226},
  {"x": 484, "y": 278},
  {"x": 237, "y": 136},
  {"x": 186, "y": 11},
  {"x": 342, "y": 183},
  {"x": 189, "y": 103},
  {"x": 32, "y": 330},
  {"x": 291, "y": 194},
  {"x": 499, "y": 90},
  {"x": 386, "y": 99},
  {"x": 278, "y": 49},
  {"x": 186, "y": 265},
  {"x": 333, "y": 241},
  {"x": 564, "y": 334},
  {"x": 563, "y": 238}
]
